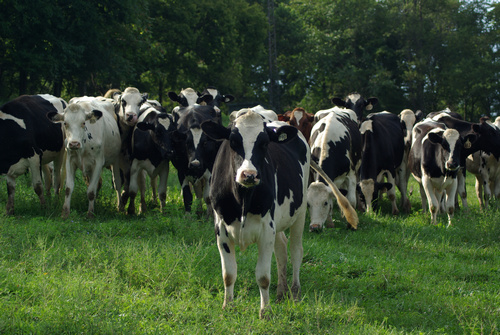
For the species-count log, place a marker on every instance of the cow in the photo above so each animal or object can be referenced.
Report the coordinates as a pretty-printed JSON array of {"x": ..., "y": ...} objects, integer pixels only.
[
  {"x": 30, "y": 141},
  {"x": 486, "y": 168},
  {"x": 189, "y": 97},
  {"x": 92, "y": 142},
  {"x": 299, "y": 119},
  {"x": 382, "y": 157},
  {"x": 357, "y": 103},
  {"x": 152, "y": 150},
  {"x": 194, "y": 153},
  {"x": 259, "y": 183},
  {"x": 487, "y": 139},
  {"x": 336, "y": 147},
  {"x": 127, "y": 107},
  {"x": 434, "y": 161},
  {"x": 216, "y": 97}
]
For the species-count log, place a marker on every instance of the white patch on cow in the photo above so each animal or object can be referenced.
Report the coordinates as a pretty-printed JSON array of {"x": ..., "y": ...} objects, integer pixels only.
[
  {"x": 408, "y": 117},
  {"x": 55, "y": 101},
  {"x": 20, "y": 122},
  {"x": 165, "y": 122},
  {"x": 451, "y": 136},
  {"x": 191, "y": 96},
  {"x": 354, "y": 97},
  {"x": 320, "y": 201},
  {"x": 213, "y": 92},
  {"x": 250, "y": 126},
  {"x": 197, "y": 132},
  {"x": 298, "y": 115},
  {"x": 366, "y": 126}
]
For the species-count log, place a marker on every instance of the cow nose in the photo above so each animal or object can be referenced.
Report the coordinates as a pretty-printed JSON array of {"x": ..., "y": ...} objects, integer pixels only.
[
  {"x": 314, "y": 227},
  {"x": 131, "y": 117},
  {"x": 195, "y": 163},
  {"x": 451, "y": 165},
  {"x": 249, "y": 178},
  {"x": 74, "y": 145}
]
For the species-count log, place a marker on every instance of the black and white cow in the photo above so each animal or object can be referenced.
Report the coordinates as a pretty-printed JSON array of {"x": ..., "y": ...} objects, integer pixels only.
[
  {"x": 487, "y": 139},
  {"x": 336, "y": 146},
  {"x": 382, "y": 157},
  {"x": 258, "y": 190},
  {"x": 486, "y": 168},
  {"x": 92, "y": 143},
  {"x": 434, "y": 161},
  {"x": 30, "y": 141},
  {"x": 152, "y": 150},
  {"x": 357, "y": 103},
  {"x": 189, "y": 97},
  {"x": 194, "y": 152},
  {"x": 217, "y": 97}
]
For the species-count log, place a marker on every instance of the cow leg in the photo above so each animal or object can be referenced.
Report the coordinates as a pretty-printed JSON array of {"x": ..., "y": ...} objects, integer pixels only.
[
  {"x": 479, "y": 190},
  {"x": 70, "y": 185},
  {"x": 228, "y": 259},
  {"x": 142, "y": 190},
  {"x": 280, "y": 253},
  {"x": 47, "y": 178},
  {"x": 198, "y": 191},
  {"x": 206, "y": 192},
  {"x": 58, "y": 174},
  {"x": 297, "y": 252},
  {"x": 423, "y": 199},
  {"x": 117, "y": 181},
  {"x": 351, "y": 189},
  {"x": 11, "y": 191},
  {"x": 432, "y": 199},
  {"x": 186, "y": 194},
  {"x": 461, "y": 190},
  {"x": 265, "y": 246},
  {"x": 133, "y": 186},
  {"x": 154, "y": 188},
  {"x": 487, "y": 190},
  {"x": 36, "y": 177},
  {"x": 450, "y": 200},
  {"x": 162, "y": 187},
  {"x": 391, "y": 194},
  {"x": 95, "y": 175}
]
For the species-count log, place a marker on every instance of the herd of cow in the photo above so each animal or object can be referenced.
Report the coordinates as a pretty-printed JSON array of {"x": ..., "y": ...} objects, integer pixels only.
[{"x": 255, "y": 174}]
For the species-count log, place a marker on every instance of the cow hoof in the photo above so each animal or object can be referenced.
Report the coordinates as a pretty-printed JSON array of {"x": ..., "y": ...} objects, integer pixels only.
[
  {"x": 265, "y": 313},
  {"x": 90, "y": 215}
]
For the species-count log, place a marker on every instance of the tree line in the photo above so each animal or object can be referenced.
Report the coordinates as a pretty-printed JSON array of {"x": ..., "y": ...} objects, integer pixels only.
[{"x": 418, "y": 54}]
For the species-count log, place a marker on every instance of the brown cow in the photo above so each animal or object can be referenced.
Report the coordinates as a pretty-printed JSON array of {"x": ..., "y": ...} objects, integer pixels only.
[{"x": 300, "y": 119}]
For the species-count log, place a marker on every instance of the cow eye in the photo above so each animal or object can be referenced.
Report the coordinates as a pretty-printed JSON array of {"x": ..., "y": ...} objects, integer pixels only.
[
  {"x": 124, "y": 103},
  {"x": 325, "y": 204},
  {"x": 83, "y": 125}
]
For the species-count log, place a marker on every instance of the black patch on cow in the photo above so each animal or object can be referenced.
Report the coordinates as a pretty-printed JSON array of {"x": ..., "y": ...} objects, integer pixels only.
[{"x": 226, "y": 247}]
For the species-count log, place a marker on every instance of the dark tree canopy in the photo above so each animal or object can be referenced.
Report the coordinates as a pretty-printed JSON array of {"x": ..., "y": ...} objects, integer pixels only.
[{"x": 415, "y": 54}]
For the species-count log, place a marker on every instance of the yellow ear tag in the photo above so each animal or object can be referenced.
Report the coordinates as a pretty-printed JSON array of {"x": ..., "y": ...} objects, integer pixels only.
[
  {"x": 467, "y": 144},
  {"x": 282, "y": 137},
  {"x": 369, "y": 107}
]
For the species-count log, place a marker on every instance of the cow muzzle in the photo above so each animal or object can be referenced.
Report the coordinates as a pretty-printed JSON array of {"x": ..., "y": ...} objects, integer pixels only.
[
  {"x": 74, "y": 145},
  {"x": 315, "y": 227},
  {"x": 131, "y": 118},
  {"x": 452, "y": 166},
  {"x": 248, "y": 178}
]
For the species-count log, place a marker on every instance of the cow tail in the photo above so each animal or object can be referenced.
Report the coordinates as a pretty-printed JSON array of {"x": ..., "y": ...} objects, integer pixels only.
[{"x": 344, "y": 204}]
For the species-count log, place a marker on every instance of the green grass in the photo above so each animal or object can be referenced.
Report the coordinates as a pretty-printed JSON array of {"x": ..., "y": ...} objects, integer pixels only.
[{"x": 159, "y": 273}]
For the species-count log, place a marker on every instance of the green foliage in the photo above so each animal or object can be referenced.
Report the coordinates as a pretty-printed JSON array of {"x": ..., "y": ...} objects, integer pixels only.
[{"x": 160, "y": 272}]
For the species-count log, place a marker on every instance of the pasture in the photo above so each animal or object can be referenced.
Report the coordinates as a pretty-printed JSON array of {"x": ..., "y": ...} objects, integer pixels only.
[{"x": 161, "y": 274}]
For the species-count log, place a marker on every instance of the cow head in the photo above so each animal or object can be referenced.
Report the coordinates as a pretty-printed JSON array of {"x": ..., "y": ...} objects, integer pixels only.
[
  {"x": 302, "y": 120},
  {"x": 248, "y": 139},
  {"x": 74, "y": 123},
  {"x": 189, "y": 97},
  {"x": 451, "y": 144},
  {"x": 357, "y": 103},
  {"x": 130, "y": 102},
  {"x": 489, "y": 137},
  {"x": 369, "y": 191},
  {"x": 162, "y": 130},
  {"x": 320, "y": 201},
  {"x": 215, "y": 97}
]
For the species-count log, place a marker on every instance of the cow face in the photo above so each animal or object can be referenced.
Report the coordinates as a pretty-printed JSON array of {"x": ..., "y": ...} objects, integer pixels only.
[
  {"x": 189, "y": 97},
  {"x": 302, "y": 120},
  {"x": 357, "y": 103},
  {"x": 248, "y": 139},
  {"x": 162, "y": 129},
  {"x": 320, "y": 202},
  {"x": 74, "y": 124},
  {"x": 215, "y": 97},
  {"x": 451, "y": 144},
  {"x": 130, "y": 103}
]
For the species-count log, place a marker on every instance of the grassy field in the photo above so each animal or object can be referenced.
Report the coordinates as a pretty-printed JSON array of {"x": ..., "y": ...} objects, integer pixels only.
[{"x": 160, "y": 273}]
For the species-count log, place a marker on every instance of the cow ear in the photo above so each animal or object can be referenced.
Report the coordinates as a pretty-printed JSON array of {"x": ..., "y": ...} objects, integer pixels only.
[
  {"x": 370, "y": 102},
  {"x": 338, "y": 102},
  {"x": 173, "y": 96},
  {"x": 419, "y": 115},
  {"x": 228, "y": 98},
  {"x": 93, "y": 116},
  {"x": 145, "y": 97},
  {"x": 145, "y": 126},
  {"x": 310, "y": 117},
  {"x": 469, "y": 139},
  {"x": 435, "y": 138},
  {"x": 55, "y": 116},
  {"x": 215, "y": 130},
  {"x": 476, "y": 128},
  {"x": 207, "y": 98},
  {"x": 384, "y": 187},
  {"x": 282, "y": 134}
]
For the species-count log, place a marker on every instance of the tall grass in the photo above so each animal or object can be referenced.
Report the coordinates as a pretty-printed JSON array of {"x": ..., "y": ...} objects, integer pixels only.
[{"x": 159, "y": 273}]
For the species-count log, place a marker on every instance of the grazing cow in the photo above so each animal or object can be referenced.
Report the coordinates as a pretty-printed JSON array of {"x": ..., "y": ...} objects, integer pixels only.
[
  {"x": 382, "y": 157},
  {"x": 357, "y": 103},
  {"x": 336, "y": 147},
  {"x": 152, "y": 150},
  {"x": 194, "y": 153},
  {"x": 434, "y": 161},
  {"x": 299, "y": 119},
  {"x": 486, "y": 168},
  {"x": 487, "y": 139},
  {"x": 92, "y": 142},
  {"x": 259, "y": 182},
  {"x": 30, "y": 141}
]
